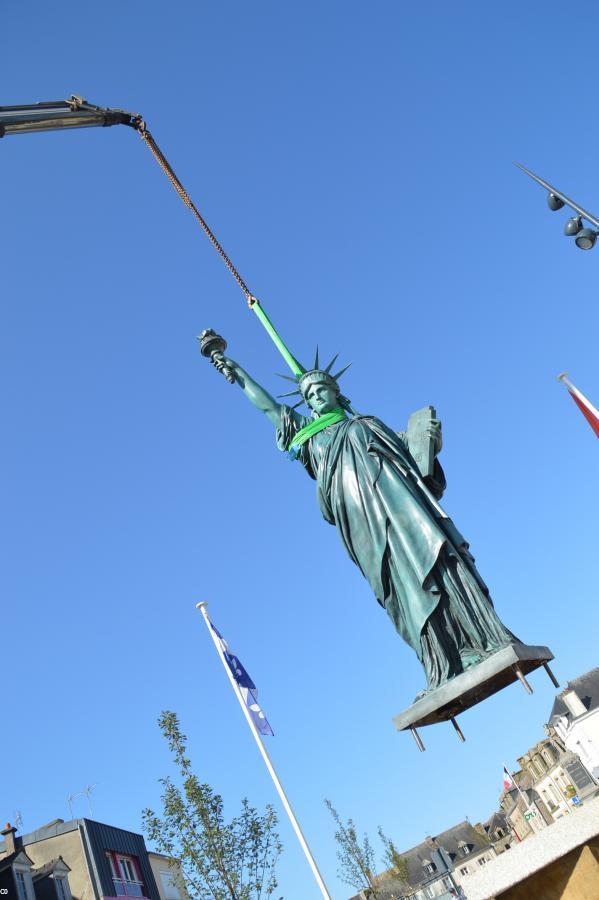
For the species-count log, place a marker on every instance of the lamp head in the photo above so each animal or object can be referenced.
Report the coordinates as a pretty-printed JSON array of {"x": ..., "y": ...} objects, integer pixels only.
[
  {"x": 573, "y": 226},
  {"x": 554, "y": 202},
  {"x": 586, "y": 238}
]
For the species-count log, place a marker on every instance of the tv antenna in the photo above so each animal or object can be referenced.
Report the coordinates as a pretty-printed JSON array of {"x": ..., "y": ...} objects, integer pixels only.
[{"x": 87, "y": 791}]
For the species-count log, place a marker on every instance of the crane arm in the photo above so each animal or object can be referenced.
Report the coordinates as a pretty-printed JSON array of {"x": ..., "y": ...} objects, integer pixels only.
[{"x": 56, "y": 115}]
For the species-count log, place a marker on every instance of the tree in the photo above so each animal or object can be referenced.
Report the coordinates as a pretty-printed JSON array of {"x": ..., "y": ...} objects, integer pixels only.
[
  {"x": 222, "y": 860},
  {"x": 397, "y": 866},
  {"x": 356, "y": 859}
]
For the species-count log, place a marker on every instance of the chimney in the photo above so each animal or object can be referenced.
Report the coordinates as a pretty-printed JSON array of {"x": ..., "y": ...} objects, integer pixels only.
[
  {"x": 574, "y": 703},
  {"x": 9, "y": 838}
]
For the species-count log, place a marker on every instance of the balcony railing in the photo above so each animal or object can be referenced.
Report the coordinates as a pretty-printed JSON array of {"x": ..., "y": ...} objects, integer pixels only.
[{"x": 124, "y": 888}]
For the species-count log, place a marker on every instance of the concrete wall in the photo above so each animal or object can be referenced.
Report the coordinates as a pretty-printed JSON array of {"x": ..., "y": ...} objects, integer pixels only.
[
  {"x": 573, "y": 877},
  {"x": 559, "y": 863},
  {"x": 68, "y": 846}
]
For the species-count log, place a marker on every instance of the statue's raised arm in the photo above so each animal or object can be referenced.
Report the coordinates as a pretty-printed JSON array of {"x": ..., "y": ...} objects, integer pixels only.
[
  {"x": 212, "y": 345},
  {"x": 256, "y": 394}
]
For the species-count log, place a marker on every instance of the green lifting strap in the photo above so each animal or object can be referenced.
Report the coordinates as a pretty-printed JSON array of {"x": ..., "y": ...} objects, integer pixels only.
[
  {"x": 316, "y": 425},
  {"x": 289, "y": 358}
]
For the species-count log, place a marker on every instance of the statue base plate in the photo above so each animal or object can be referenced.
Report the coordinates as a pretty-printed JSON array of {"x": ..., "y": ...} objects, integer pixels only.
[{"x": 510, "y": 664}]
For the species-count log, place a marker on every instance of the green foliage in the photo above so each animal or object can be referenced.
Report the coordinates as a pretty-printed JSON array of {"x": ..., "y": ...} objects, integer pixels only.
[
  {"x": 220, "y": 860},
  {"x": 356, "y": 859},
  {"x": 395, "y": 863}
]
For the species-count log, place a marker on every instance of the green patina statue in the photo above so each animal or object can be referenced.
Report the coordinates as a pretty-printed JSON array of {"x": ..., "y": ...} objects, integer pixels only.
[{"x": 384, "y": 506}]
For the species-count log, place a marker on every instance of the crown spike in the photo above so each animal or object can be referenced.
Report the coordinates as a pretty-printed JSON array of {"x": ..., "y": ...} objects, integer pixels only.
[
  {"x": 332, "y": 363},
  {"x": 290, "y": 394},
  {"x": 287, "y": 377},
  {"x": 316, "y": 358},
  {"x": 339, "y": 374}
]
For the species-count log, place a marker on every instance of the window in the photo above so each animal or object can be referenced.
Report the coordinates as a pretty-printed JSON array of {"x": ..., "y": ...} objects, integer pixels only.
[
  {"x": 464, "y": 870},
  {"x": 169, "y": 885},
  {"x": 125, "y": 875},
  {"x": 429, "y": 867},
  {"x": 465, "y": 849},
  {"x": 500, "y": 832},
  {"x": 553, "y": 794},
  {"x": 62, "y": 890},
  {"x": 428, "y": 892},
  {"x": 482, "y": 861},
  {"x": 21, "y": 885},
  {"x": 448, "y": 883}
]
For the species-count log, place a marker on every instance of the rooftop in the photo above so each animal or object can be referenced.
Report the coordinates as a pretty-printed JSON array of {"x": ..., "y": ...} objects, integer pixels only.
[{"x": 587, "y": 688}]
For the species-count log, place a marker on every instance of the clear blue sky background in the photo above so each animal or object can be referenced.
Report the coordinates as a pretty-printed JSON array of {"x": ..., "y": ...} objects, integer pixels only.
[{"x": 356, "y": 162}]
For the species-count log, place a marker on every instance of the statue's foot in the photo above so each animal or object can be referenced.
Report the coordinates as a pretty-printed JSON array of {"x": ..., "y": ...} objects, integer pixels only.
[
  {"x": 473, "y": 658},
  {"x": 422, "y": 694}
]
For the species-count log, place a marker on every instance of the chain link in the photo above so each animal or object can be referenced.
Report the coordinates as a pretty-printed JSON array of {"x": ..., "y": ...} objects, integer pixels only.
[{"x": 168, "y": 171}]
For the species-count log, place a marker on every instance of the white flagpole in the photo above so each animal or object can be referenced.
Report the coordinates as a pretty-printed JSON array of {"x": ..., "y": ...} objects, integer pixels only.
[
  {"x": 515, "y": 783},
  {"x": 267, "y": 761}
]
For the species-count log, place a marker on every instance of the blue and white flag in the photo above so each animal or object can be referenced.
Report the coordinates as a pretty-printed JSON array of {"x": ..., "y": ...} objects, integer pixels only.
[{"x": 248, "y": 689}]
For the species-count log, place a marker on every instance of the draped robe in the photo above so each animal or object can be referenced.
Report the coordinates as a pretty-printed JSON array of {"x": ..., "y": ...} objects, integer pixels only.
[{"x": 415, "y": 560}]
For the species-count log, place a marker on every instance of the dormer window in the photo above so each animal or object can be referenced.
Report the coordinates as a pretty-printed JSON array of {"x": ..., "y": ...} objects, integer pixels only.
[
  {"x": 21, "y": 887},
  {"x": 62, "y": 888},
  {"x": 51, "y": 880},
  {"x": 126, "y": 875},
  {"x": 23, "y": 883},
  {"x": 428, "y": 866},
  {"x": 464, "y": 849}
]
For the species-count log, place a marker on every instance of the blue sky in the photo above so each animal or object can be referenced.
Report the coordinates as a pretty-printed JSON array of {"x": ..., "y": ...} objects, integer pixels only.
[{"x": 356, "y": 162}]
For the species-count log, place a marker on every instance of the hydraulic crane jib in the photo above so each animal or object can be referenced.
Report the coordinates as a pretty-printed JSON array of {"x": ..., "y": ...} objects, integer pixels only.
[{"x": 58, "y": 114}]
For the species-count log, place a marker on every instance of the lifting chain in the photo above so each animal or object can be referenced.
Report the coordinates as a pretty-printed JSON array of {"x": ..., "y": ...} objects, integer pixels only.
[{"x": 168, "y": 171}]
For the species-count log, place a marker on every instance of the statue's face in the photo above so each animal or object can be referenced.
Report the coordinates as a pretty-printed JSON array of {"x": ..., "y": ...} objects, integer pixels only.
[{"x": 322, "y": 398}]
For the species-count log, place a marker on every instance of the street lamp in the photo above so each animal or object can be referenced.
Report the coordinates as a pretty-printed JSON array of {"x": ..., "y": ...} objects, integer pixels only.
[{"x": 585, "y": 237}]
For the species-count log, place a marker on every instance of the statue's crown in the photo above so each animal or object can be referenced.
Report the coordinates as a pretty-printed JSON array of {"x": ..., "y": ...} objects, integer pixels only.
[{"x": 301, "y": 376}]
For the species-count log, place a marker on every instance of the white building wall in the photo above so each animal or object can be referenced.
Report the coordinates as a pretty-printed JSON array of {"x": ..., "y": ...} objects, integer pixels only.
[{"x": 582, "y": 737}]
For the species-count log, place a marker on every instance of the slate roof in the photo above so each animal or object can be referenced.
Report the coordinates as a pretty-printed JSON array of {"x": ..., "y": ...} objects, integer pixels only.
[
  {"x": 497, "y": 820},
  {"x": 430, "y": 850},
  {"x": 587, "y": 688},
  {"x": 7, "y": 861},
  {"x": 464, "y": 833}
]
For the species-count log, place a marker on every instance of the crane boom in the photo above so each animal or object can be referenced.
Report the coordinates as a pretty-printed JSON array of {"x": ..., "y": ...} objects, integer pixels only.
[{"x": 58, "y": 114}]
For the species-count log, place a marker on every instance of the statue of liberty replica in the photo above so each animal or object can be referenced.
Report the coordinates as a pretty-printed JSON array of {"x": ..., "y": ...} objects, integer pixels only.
[{"x": 380, "y": 489}]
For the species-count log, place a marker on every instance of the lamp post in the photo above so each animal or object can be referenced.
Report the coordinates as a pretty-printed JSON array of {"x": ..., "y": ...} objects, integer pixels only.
[{"x": 584, "y": 236}]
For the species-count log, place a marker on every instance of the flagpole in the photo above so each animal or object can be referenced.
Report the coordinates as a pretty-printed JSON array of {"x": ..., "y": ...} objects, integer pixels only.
[
  {"x": 515, "y": 783},
  {"x": 574, "y": 390},
  {"x": 267, "y": 760}
]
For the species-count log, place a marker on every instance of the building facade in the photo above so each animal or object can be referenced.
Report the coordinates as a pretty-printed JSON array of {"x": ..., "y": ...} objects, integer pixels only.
[
  {"x": 574, "y": 719},
  {"x": 434, "y": 869},
  {"x": 86, "y": 860},
  {"x": 557, "y": 776}
]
